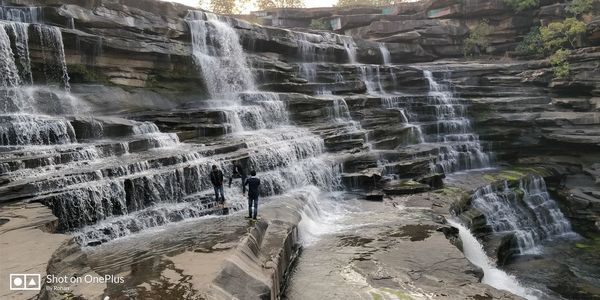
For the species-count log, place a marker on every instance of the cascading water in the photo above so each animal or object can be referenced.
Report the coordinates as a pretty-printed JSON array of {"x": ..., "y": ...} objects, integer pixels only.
[
  {"x": 462, "y": 150},
  {"x": 74, "y": 164},
  {"x": 29, "y": 14},
  {"x": 282, "y": 149},
  {"x": 491, "y": 275},
  {"x": 350, "y": 48},
  {"x": 217, "y": 51},
  {"x": 396, "y": 102},
  {"x": 158, "y": 192},
  {"x": 312, "y": 56},
  {"x": 320, "y": 216},
  {"x": 52, "y": 45},
  {"x": 371, "y": 76},
  {"x": 385, "y": 54},
  {"x": 527, "y": 211}
]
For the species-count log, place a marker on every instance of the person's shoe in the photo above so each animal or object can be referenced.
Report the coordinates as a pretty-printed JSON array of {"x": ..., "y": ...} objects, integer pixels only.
[{"x": 248, "y": 217}]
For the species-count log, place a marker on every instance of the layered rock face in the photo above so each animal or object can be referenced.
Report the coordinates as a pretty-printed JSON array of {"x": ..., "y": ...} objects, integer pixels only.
[
  {"x": 140, "y": 98},
  {"x": 432, "y": 29}
]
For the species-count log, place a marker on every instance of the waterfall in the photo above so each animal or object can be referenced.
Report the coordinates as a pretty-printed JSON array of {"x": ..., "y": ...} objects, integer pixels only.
[
  {"x": 9, "y": 75},
  {"x": 280, "y": 149},
  {"x": 308, "y": 71},
  {"x": 51, "y": 40},
  {"x": 117, "y": 201},
  {"x": 218, "y": 53},
  {"x": 462, "y": 150},
  {"x": 527, "y": 211},
  {"x": 385, "y": 54},
  {"x": 31, "y": 14},
  {"x": 321, "y": 215},
  {"x": 371, "y": 76},
  {"x": 16, "y": 66},
  {"x": 395, "y": 102},
  {"x": 491, "y": 275},
  {"x": 19, "y": 31},
  {"x": 350, "y": 48}
]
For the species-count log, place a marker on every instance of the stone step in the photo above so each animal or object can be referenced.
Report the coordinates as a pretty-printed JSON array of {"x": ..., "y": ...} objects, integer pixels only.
[
  {"x": 405, "y": 187},
  {"x": 316, "y": 88},
  {"x": 154, "y": 216},
  {"x": 21, "y": 129}
]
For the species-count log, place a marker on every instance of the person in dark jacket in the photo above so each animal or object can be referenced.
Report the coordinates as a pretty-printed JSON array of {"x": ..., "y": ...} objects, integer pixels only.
[
  {"x": 216, "y": 177},
  {"x": 253, "y": 184},
  {"x": 238, "y": 172}
]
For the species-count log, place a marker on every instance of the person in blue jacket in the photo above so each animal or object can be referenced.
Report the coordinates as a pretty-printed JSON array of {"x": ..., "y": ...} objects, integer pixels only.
[{"x": 253, "y": 191}]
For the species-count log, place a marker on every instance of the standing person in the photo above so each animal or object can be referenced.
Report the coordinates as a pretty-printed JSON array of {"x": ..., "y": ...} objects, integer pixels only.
[
  {"x": 216, "y": 177},
  {"x": 253, "y": 184},
  {"x": 238, "y": 172}
]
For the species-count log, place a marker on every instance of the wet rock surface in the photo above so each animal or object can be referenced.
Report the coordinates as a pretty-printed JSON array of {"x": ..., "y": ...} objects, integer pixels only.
[
  {"x": 398, "y": 251},
  {"x": 28, "y": 234}
]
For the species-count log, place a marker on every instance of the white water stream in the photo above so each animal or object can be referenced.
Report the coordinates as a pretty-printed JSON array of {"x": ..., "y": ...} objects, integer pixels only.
[{"x": 492, "y": 275}]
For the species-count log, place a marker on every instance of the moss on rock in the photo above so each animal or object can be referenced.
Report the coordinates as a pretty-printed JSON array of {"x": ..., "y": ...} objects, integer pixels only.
[{"x": 79, "y": 73}]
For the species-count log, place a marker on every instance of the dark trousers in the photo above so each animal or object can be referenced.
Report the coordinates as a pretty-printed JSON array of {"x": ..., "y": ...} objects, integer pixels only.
[
  {"x": 219, "y": 191},
  {"x": 252, "y": 204},
  {"x": 243, "y": 181}
]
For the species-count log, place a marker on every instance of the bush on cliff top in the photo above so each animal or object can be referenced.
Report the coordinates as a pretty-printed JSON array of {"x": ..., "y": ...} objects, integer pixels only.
[
  {"x": 358, "y": 3},
  {"x": 580, "y": 7},
  {"x": 554, "y": 40},
  {"x": 478, "y": 38},
  {"x": 319, "y": 25},
  {"x": 521, "y": 5}
]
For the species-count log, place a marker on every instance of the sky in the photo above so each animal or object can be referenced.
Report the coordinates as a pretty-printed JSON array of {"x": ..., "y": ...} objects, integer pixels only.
[{"x": 307, "y": 3}]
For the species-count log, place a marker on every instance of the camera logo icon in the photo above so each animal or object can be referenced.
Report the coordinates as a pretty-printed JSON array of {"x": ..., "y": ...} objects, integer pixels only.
[{"x": 25, "y": 282}]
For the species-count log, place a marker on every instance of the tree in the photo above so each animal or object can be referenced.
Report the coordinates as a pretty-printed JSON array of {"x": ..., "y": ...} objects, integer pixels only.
[
  {"x": 579, "y": 7},
  {"x": 375, "y": 3},
  {"x": 478, "y": 38},
  {"x": 560, "y": 34},
  {"x": 269, "y": 4},
  {"x": 521, "y": 5},
  {"x": 227, "y": 7}
]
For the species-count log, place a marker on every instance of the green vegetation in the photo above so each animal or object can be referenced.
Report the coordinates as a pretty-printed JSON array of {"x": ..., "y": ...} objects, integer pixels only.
[
  {"x": 236, "y": 7},
  {"x": 84, "y": 74},
  {"x": 269, "y": 4},
  {"x": 591, "y": 245},
  {"x": 358, "y": 3},
  {"x": 376, "y": 296},
  {"x": 452, "y": 192},
  {"x": 515, "y": 173},
  {"x": 580, "y": 7},
  {"x": 561, "y": 34},
  {"x": 319, "y": 25},
  {"x": 521, "y": 5},
  {"x": 478, "y": 38},
  {"x": 398, "y": 293},
  {"x": 532, "y": 43},
  {"x": 225, "y": 7},
  {"x": 554, "y": 40},
  {"x": 559, "y": 63}
]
